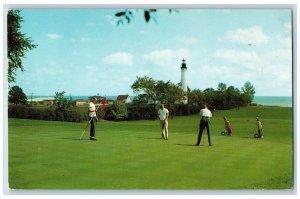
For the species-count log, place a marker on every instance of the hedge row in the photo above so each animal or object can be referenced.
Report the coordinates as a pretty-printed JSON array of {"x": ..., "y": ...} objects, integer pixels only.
[
  {"x": 147, "y": 112},
  {"x": 23, "y": 112},
  {"x": 129, "y": 112}
]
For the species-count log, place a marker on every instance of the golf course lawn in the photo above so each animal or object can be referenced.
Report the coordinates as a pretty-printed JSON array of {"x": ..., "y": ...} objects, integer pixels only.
[{"x": 131, "y": 155}]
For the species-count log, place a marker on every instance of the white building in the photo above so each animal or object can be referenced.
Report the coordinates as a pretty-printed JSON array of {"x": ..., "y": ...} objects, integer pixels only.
[
  {"x": 183, "y": 76},
  {"x": 124, "y": 98},
  {"x": 184, "y": 80}
]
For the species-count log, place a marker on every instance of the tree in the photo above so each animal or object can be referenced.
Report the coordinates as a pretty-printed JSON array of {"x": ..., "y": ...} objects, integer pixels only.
[
  {"x": 17, "y": 96},
  {"x": 146, "y": 86},
  {"x": 231, "y": 97},
  {"x": 61, "y": 103},
  {"x": 209, "y": 95},
  {"x": 127, "y": 15},
  {"x": 174, "y": 93},
  {"x": 161, "y": 90},
  {"x": 17, "y": 43},
  {"x": 248, "y": 92},
  {"x": 222, "y": 87},
  {"x": 195, "y": 97}
]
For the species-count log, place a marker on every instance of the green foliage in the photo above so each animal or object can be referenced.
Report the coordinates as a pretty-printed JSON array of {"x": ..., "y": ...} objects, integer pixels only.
[
  {"x": 152, "y": 91},
  {"x": 17, "y": 43},
  {"x": 24, "y": 112},
  {"x": 127, "y": 15},
  {"x": 146, "y": 86},
  {"x": 61, "y": 103},
  {"x": 17, "y": 111},
  {"x": 117, "y": 111},
  {"x": 224, "y": 97},
  {"x": 17, "y": 96},
  {"x": 140, "y": 112},
  {"x": 248, "y": 92}
]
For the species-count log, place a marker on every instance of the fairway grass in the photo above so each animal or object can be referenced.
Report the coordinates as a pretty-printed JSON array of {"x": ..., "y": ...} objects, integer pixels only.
[{"x": 130, "y": 155}]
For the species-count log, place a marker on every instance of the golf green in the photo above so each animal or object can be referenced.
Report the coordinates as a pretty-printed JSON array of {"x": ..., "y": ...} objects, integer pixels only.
[{"x": 131, "y": 155}]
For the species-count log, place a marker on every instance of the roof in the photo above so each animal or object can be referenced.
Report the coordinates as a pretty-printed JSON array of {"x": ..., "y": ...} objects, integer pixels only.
[
  {"x": 40, "y": 99},
  {"x": 183, "y": 65},
  {"x": 81, "y": 100},
  {"x": 122, "y": 97}
]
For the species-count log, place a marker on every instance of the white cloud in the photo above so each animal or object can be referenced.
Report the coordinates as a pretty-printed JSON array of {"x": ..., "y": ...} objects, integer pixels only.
[
  {"x": 282, "y": 54},
  {"x": 243, "y": 58},
  {"x": 120, "y": 58},
  {"x": 253, "y": 35},
  {"x": 54, "y": 36},
  {"x": 167, "y": 57}
]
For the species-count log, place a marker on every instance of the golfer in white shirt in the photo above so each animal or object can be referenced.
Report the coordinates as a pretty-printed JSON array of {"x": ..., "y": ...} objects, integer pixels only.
[
  {"x": 163, "y": 114},
  {"x": 92, "y": 117},
  {"x": 205, "y": 115}
]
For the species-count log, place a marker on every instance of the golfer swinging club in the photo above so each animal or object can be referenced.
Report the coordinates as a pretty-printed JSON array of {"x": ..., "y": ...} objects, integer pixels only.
[
  {"x": 92, "y": 117},
  {"x": 205, "y": 115},
  {"x": 163, "y": 114}
]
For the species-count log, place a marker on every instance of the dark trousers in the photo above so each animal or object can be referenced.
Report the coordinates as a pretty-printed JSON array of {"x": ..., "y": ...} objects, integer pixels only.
[
  {"x": 204, "y": 123},
  {"x": 93, "y": 126},
  {"x": 260, "y": 132}
]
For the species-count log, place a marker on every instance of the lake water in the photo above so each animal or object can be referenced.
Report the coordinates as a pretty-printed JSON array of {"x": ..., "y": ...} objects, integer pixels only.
[{"x": 286, "y": 101}]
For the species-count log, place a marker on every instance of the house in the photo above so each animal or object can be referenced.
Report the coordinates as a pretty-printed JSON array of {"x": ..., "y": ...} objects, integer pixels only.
[
  {"x": 41, "y": 101},
  {"x": 124, "y": 98},
  {"x": 80, "y": 102}
]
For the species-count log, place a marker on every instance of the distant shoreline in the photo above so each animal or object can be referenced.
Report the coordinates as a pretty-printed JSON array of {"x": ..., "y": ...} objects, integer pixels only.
[{"x": 282, "y": 101}]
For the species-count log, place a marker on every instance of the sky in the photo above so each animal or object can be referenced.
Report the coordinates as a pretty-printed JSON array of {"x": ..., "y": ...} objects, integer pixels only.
[{"x": 84, "y": 52}]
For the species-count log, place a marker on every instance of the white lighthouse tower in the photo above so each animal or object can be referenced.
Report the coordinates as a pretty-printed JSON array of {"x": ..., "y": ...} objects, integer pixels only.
[
  {"x": 184, "y": 81},
  {"x": 183, "y": 76}
]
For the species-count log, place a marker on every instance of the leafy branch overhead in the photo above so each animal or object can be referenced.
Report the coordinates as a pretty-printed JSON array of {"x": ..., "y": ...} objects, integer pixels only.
[{"x": 127, "y": 15}]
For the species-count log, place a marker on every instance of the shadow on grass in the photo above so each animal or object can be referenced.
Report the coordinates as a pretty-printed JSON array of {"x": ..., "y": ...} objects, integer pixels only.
[
  {"x": 245, "y": 137},
  {"x": 77, "y": 139},
  {"x": 156, "y": 138},
  {"x": 186, "y": 145}
]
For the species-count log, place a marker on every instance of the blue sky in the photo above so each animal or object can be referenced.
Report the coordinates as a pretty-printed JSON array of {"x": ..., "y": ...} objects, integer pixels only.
[{"x": 83, "y": 52}]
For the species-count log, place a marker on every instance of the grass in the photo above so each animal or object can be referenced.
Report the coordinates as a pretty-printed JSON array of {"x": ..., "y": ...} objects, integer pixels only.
[{"x": 131, "y": 156}]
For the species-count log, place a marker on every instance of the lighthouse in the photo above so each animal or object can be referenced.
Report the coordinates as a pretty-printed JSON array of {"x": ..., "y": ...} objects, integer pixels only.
[{"x": 183, "y": 76}]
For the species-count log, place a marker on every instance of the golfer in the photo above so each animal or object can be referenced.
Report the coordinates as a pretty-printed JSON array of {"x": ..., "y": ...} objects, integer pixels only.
[
  {"x": 163, "y": 114},
  {"x": 92, "y": 117},
  {"x": 205, "y": 115},
  {"x": 259, "y": 128}
]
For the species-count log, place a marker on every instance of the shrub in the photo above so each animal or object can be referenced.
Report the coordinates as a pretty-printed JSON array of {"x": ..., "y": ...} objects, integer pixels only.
[
  {"x": 20, "y": 111},
  {"x": 117, "y": 111},
  {"x": 74, "y": 116},
  {"x": 49, "y": 114},
  {"x": 140, "y": 112},
  {"x": 59, "y": 116},
  {"x": 37, "y": 114},
  {"x": 17, "y": 111},
  {"x": 100, "y": 113}
]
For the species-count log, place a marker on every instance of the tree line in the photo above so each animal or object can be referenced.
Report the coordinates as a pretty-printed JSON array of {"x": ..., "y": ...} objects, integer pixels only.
[{"x": 150, "y": 93}]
